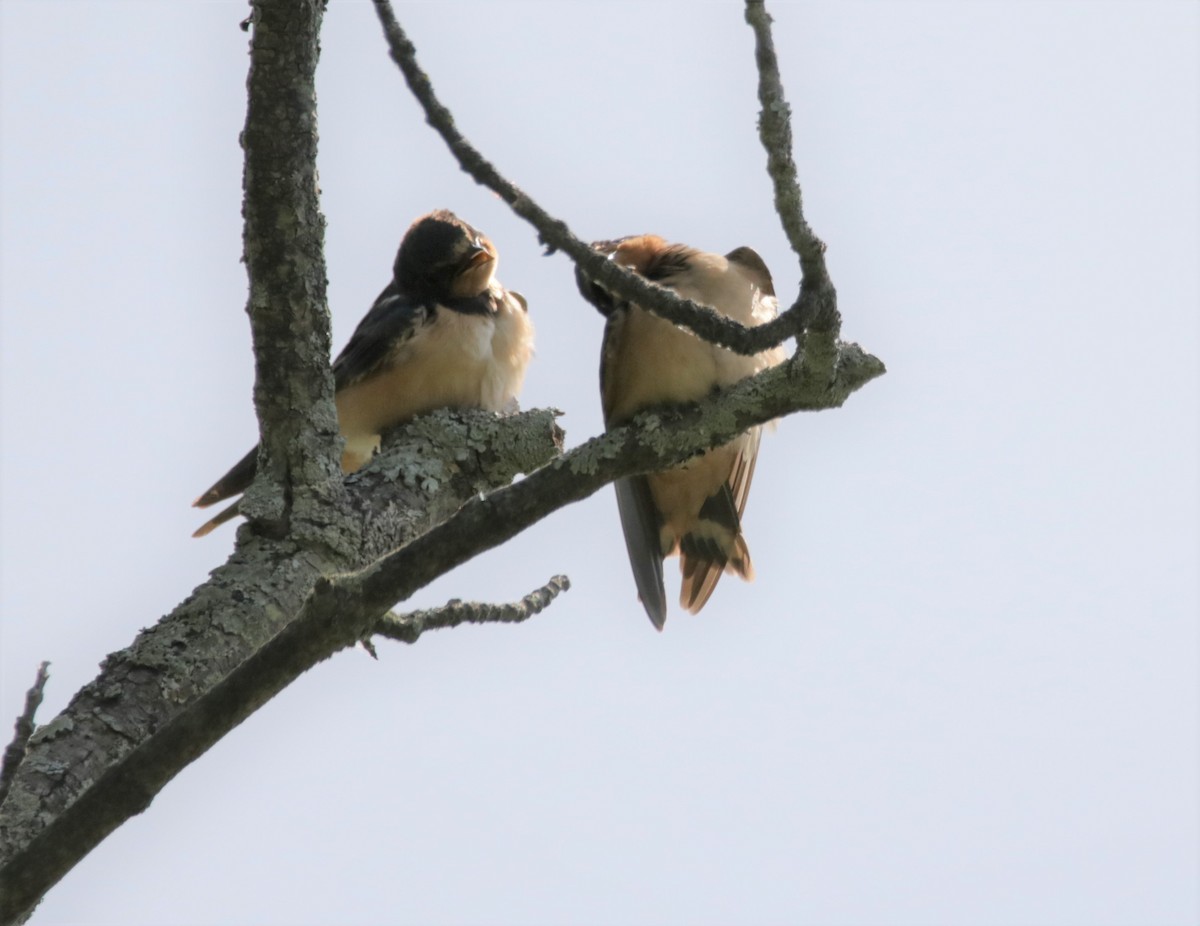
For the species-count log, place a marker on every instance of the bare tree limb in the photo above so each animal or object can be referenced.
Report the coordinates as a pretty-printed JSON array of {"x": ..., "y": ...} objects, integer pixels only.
[
  {"x": 818, "y": 300},
  {"x": 23, "y": 729},
  {"x": 407, "y": 628},
  {"x": 284, "y": 255},
  {"x": 186, "y": 681},
  {"x": 183, "y": 684}
]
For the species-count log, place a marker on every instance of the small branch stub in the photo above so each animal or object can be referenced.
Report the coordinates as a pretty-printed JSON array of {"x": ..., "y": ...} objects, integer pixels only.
[
  {"x": 407, "y": 628},
  {"x": 23, "y": 729}
]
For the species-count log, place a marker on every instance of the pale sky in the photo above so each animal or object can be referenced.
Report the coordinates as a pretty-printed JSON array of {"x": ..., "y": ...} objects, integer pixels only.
[{"x": 963, "y": 688}]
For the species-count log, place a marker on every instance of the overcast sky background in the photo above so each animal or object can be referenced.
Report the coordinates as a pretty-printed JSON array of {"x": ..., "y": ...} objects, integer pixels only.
[{"x": 962, "y": 690}]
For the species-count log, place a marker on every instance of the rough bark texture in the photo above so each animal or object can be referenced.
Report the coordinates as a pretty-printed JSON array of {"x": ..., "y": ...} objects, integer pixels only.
[
  {"x": 816, "y": 307},
  {"x": 274, "y": 609},
  {"x": 407, "y": 628},
  {"x": 283, "y": 248},
  {"x": 14, "y": 754},
  {"x": 186, "y": 681}
]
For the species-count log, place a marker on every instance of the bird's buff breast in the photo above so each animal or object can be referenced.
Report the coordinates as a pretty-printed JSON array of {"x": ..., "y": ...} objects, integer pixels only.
[{"x": 459, "y": 361}]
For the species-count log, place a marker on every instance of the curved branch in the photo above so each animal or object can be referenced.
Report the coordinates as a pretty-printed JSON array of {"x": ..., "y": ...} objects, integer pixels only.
[
  {"x": 556, "y": 236},
  {"x": 407, "y": 628},
  {"x": 817, "y": 295}
]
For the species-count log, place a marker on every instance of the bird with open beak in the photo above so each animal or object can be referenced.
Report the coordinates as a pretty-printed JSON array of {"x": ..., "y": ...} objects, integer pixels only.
[
  {"x": 693, "y": 510},
  {"x": 443, "y": 333}
]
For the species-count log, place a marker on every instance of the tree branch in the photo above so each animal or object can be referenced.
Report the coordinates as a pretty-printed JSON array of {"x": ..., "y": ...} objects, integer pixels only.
[
  {"x": 186, "y": 681},
  {"x": 285, "y": 263},
  {"x": 337, "y": 555},
  {"x": 407, "y": 628},
  {"x": 23, "y": 729},
  {"x": 226, "y": 651},
  {"x": 556, "y": 236},
  {"x": 818, "y": 299},
  {"x": 652, "y": 442}
]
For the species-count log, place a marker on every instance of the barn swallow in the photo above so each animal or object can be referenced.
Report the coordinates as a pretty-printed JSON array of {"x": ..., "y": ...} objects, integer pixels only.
[
  {"x": 693, "y": 510},
  {"x": 443, "y": 333}
]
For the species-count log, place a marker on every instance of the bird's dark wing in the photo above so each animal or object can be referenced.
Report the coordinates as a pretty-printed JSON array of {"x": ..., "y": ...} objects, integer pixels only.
[
  {"x": 392, "y": 320},
  {"x": 641, "y": 524},
  {"x": 640, "y": 520}
]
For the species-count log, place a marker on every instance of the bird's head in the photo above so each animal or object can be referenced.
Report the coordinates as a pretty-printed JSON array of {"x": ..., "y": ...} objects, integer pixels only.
[
  {"x": 442, "y": 256},
  {"x": 649, "y": 255}
]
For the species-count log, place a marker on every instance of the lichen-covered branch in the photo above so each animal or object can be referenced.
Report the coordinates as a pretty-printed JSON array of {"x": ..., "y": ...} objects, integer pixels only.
[
  {"x": 22, "y": 730},
  {"x": 275, "y": 610},
  {"x": 818, "y": 300},
  {"x": 186, "y": 681},
  {"x": 285, "y": 263},
  {"x": 407, "y": 628},
  {"x": 775, "y": 131},
  {"x": 132, "y": 729}
]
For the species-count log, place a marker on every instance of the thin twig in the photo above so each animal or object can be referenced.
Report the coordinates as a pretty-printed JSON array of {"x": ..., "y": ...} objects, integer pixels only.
[
  {"x": 556, "y": 236},
  {"x": 407, "y": 628},
  {"x": 15, "y": 751}
]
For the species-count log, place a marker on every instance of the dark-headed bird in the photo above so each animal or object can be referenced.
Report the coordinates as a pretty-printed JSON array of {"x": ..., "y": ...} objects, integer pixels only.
[
  {"x": 693, "y": 510},
  {"x": 443, "y": 333}
]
